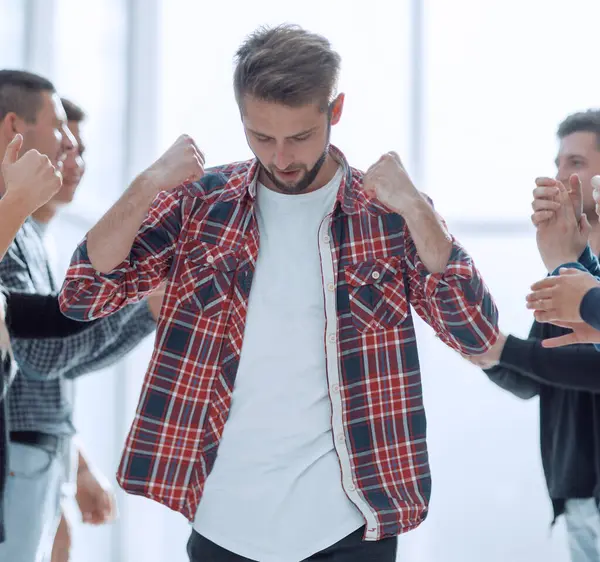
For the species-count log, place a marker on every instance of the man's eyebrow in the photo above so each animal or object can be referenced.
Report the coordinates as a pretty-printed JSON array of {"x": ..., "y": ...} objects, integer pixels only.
[
  {"x": 300, "y": 134},
  {"x": 308, "y": 131}
]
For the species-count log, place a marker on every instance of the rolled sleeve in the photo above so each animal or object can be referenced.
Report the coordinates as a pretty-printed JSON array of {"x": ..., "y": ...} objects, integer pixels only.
[
  {"x": 456, "y": 303},
  {"x": 88, "y": 294}
]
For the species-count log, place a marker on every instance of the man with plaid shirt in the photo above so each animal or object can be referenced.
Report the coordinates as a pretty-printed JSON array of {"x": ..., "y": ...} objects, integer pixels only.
[
  {"x": 282, "y": 411},
  {"x": 39, "y": 399}
]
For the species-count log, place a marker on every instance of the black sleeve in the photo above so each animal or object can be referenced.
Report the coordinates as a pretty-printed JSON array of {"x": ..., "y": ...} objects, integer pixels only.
[
  {"x": 573, "y": 367},
  {"x": 589, "y": 261},
  {"x": 510, "y": 379},
  {"x": 514, "y": 382},
  {"x": 590, "y": 308},
  {"x": 31, "y": 316}
]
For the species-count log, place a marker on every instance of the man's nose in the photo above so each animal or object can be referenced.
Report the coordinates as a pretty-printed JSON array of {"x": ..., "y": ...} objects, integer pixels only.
[
  {"x": 69, "y": 142},
  {"x": 281, "y": 159}
]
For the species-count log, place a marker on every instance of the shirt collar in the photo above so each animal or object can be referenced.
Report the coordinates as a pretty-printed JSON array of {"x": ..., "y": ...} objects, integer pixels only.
[{"x": 350, "y": 197}]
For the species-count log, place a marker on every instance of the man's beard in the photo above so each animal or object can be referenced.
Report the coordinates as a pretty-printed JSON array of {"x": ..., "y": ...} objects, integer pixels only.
[
  {"x": 304, "y": 183},
  {"x": 309, "y": 175}
]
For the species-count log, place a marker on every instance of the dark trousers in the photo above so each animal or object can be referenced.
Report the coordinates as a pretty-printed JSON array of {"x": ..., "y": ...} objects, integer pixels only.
[{"x": 350, "y": 549}]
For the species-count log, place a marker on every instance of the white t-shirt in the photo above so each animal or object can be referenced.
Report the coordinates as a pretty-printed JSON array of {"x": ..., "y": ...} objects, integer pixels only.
[{"x": 275, "y": 492}]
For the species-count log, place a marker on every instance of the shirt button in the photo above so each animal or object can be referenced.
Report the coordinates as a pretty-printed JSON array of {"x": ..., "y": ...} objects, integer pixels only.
[
  {"x": 375, "y": 275},
  {"x": 335, "y": 388},
  {"x": 351, "y": 487},
  {"x": 331, "y": 338},
  {"x": 326, "y": 239},
  {"x": 341, "y": 438},
  {"x": 210, "y": 259},
  {"x": 331, "y": 287}
]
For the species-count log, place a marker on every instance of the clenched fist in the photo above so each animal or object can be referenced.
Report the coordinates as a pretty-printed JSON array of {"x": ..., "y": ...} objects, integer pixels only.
[
  {"x": 182, "y": 163},
  {"x": 95, "y": 498},
  {"x": 388, "y": 182},
  {"x": 32, "y": 178}
]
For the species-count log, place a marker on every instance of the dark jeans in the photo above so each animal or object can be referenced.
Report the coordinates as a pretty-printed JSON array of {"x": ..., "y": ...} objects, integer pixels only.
[{"x": 350, "y": 549}]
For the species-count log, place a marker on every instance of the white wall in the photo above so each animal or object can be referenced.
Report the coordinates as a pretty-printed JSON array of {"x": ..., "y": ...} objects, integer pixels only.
[
  {"x": 470, "y": 98},
  {"x": 499, "y": 77}
]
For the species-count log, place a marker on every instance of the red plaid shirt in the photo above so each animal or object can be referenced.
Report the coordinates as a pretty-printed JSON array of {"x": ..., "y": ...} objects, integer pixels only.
[{"x": 203, "y": 239}]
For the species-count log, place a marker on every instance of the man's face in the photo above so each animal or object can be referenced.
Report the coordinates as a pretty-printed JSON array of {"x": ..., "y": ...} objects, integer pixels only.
[
  {"x": 579, "y": 154},
  {"x": 291, "y": 143},
  {"x": 49, "y": 134},
  {"x": 73, "y": 167}
]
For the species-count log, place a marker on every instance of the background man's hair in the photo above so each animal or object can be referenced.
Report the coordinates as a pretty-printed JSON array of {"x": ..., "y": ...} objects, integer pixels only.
[
  {"x": 20, "y": 93},
  {"x": 286, "y": 64},
  {"x": 73, "y": 111},
  {"x": 584, "y": 121}
]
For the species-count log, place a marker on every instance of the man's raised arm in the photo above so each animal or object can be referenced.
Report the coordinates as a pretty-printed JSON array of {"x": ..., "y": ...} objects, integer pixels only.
[{"x": 128, "y": 253}]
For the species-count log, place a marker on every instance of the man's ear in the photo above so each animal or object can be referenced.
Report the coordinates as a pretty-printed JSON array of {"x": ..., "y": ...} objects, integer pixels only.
[
  {"x": 10, "y": 126},
  {"x": 337, "y": 107}
]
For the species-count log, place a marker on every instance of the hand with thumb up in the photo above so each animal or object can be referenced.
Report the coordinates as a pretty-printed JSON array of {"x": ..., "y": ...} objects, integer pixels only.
[{"x": 31, "y": 180}]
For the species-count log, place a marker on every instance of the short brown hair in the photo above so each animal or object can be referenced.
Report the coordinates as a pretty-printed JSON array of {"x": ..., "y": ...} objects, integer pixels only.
[
  {"x": 20, "y": 93},
  {"x": 582, "y": 122},
  {"x": 286, "y": 64},
  {"x": 73, "y": 111}
]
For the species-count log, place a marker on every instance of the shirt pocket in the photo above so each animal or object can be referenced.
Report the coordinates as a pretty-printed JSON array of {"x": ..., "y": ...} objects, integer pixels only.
[
  {"x": 376, "y": 294},
  {"x": 206, "y": 277}
]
